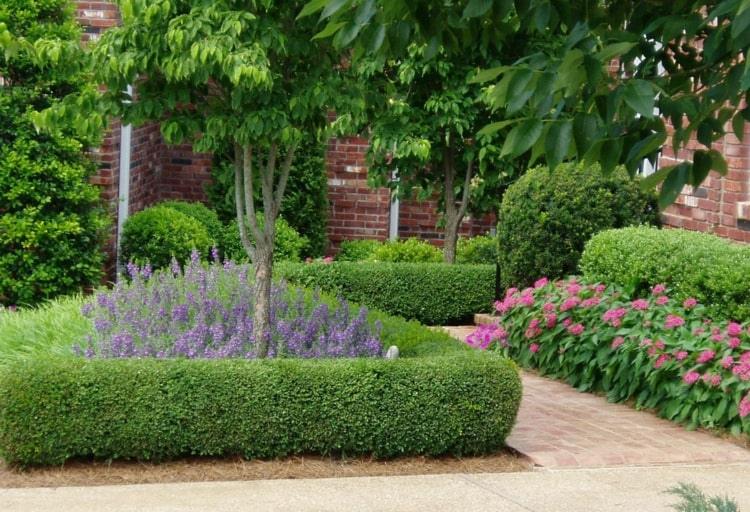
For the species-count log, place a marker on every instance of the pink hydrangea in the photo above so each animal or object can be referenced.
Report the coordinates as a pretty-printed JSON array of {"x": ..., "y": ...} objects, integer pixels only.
[
  {"x": 534, "y": 348},
  {"x": 551, "y": 320},
  {"x": 647, "y": 342},
  {"x": 727, "y": 362},
  {"x": 510, "y": 292},
  {"x": 526, "y": 300},
  {"x": 574, "y": 288},
  {"x": 484, "y": 335},
  {"x": 590, "y": 302},
  {"x": 567, "y": 322},
  {"x": 691, "y": 377},
  {"x": 734, "y": 329},
  {"x": 639, "y": 304},
  {"x": 744, "y": 407},
  {"x": 658, "y": 289},
  {"x": 614, "y": 316},
  {"x": 570, "y": 303},
  {"x": 662, "y": 300},
  {"x": 533, "y": 330},
  {"x": 576, "y": 329},
  {"x": 619, "y": 340},
  {"x": 712, "y": 379},
  {"x": 734, "y": 342},
  {"x": 673, "y": 321},
  {"x": 706, "y": 356},
  {"x": 548, "y": 307},
  {"x": 689, "y": 303},
  {"x": 681, "y": 355},
  {"x": 600, "y": 288},
  {"x": 660, "y": 345},
  {"x": 541, "y": 283},
  {"x": 742, "y": 371},
  {"x": 660, "y": 361}
]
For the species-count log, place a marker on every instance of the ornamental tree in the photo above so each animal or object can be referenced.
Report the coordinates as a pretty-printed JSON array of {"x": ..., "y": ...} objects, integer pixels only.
[
  {"x": 243, "y": 73},
  {"x": 606, "y": 92}
]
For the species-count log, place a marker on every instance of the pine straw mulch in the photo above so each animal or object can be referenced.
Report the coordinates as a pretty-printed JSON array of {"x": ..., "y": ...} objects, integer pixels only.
[{"x": 83, "y": 473}]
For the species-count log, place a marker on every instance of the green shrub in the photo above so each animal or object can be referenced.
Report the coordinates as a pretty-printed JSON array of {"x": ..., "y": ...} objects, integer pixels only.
[
  {"x": 546, "y": 218},
  {"x": 305, "y": 203},
  {"x": 411, "y": 250},
  {"x": 157, "y": 234},
  {"x": 357, "y": 250},
  {"x": 434, "y": 294},
  {"x": 289, "y": 245},
  {"x": 155, "y": 410},
  {"x": 477, "y": 250},
  {"x": 202, "y": 214},
  {"x": 52, "y": 223},
  {"x": 709, "y": 268}
]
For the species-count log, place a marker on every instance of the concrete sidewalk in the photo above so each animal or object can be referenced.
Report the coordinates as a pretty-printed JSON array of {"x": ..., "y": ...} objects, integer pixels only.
[{"x": 627, "y": 489}]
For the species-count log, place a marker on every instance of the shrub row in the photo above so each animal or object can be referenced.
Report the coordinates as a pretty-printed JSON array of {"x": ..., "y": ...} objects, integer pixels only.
[
  {"x": 661, "y": 353},
  {"x": 51, "y": 411},
  {"x": 709, "y": 268},
  {"x": 434, "y": 293},
  {"x": 547, "y": 217},
  {"x": 477, "y": 250}
]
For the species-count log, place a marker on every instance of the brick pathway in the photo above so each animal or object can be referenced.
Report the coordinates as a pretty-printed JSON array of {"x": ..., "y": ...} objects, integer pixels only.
[{"x": 558, "y": 427}]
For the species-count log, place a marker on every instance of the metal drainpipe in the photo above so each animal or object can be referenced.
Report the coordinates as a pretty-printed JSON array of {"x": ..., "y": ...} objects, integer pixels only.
[
  {"x": 123, "y": 187},
  {"x": 394, "y": 211}
]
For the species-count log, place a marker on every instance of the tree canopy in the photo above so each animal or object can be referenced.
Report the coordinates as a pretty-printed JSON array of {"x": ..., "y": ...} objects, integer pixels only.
[{"x": 622, "y": 72}]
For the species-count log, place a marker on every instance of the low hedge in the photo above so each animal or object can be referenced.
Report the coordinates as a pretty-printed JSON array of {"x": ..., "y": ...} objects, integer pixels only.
[
  {"x": 700, "y": 265},
  {"x": 54, "y": 410},
  {"x": 432, "y": 293}
]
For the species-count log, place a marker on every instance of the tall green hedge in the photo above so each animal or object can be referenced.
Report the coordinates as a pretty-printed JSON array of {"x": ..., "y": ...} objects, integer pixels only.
[
  {"x": 51, "y": 411},
  {"x": 432, "y": 293},
  {"x": 711, "y": 269}
]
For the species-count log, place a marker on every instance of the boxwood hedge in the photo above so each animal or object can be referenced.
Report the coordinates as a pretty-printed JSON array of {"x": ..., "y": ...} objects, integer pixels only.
[
  {"x": 53, "y": 410},
  {"x": 706, "y": 267},
  {"x": 432, "y": 293}
]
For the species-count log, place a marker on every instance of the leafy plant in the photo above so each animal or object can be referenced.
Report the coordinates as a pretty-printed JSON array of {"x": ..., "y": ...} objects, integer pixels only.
[
  {"x": 198, "y": 211},
  {"x": 357, "y": 250},
  {"x": 663, "y": 354},
  {"x": 159, "y": 233},
  {"x": 694, "y": 500},
  {"x": 289, "y": 246},
  {"x": 477, "y": 250},
  {"x": 547, "y": 217},
  {"x": 698, "y": 265},
  {"x": 411, "y": 250}
]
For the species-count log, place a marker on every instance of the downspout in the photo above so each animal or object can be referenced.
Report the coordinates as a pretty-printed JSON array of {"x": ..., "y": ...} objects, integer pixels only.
[
  {"x": 394, "y": 212},
  {"x": 123, "y": 186}
]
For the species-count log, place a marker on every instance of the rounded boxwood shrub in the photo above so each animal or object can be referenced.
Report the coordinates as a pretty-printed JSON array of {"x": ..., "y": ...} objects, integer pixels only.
[
  {"x": 411, "y": 250},
  {"x": 357, "y": 250},
  {"x": 477, "y": 250},
  {"x": 432, "y": 293},
  {"x": 289, "y": 245},
  {"x": 706, "y": 267},
  {"x": 157, "y": 234},
  {"x": 55, "y": 409},
  {"x": 547, "y": 217},
  {"x": 201, "y": 213}
]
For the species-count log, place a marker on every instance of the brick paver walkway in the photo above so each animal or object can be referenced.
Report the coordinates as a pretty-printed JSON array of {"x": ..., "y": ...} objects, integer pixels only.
[{"x": 558, "y": 427}]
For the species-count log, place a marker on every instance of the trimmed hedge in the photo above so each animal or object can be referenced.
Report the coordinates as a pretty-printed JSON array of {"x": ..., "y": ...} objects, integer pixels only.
[
  {"x": 51, "y": 411},
  {"x": 706, "y": 267},
  {"x": 432, "y": 293},
  {"x": 546, "y": 218}
]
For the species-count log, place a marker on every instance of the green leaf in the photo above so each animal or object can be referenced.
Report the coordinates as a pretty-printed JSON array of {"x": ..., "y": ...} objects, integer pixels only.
[
  {"x": 522, "y": 137},
  {"x": 701, "y": 167},
  {"x": 488, "y": 74},
  {"x": 676, "y": 179},
  {"x": 640, "y": 96},
  {"x": 611, "y": 51},
  {"x": 738, "y": 126},
  {"x": 609, "y": 155},
  {"x": 557, "y": 142},
  {"x": 496, "y": 127},
  {"x": 332, "y": 7},
  {"x": 476, "y": 8},
  {"x": 329, "y": 30},
  {"x": 520, "y": 89}
]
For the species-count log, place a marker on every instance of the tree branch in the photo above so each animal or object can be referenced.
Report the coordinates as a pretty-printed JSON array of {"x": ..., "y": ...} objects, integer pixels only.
[
  {"x": 465, "y": 196},
  {"x": 252, "y": 219},
  {"x": 239, "y": 202},
  {"x": 268, "y": 206},
  {"x": 281, "y": 186}
]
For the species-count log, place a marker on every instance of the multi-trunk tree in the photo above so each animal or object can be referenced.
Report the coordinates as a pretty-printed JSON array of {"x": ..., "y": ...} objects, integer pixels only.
[{"x": 244, "y": 73}]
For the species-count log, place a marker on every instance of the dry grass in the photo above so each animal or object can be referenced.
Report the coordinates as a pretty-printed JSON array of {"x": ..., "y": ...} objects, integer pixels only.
[{"x": 81, "y": 473}]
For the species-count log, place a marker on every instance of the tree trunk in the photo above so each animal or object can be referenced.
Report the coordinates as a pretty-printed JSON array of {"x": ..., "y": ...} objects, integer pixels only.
[
  {"x": 451, "y": 239},
  {"x": 263, "y": 265}
]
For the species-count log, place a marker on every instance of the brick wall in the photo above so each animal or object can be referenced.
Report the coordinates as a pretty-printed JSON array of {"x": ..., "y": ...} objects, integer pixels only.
[{"x": 721, "y": 205}]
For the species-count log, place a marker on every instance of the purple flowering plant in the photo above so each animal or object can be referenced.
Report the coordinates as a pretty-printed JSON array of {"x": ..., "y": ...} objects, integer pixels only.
[
  {"x": 662, "y": 353},
  {"x": 206, "y": 311}
]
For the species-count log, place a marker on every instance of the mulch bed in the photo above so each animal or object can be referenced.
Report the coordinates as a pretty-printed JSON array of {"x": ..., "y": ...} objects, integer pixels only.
[{"x": 84, "y": 473}]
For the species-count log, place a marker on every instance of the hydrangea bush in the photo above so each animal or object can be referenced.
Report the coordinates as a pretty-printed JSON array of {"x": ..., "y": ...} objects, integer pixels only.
[
  {"x": 664, "y": 354},
  {"x": 206, "y": 311}
]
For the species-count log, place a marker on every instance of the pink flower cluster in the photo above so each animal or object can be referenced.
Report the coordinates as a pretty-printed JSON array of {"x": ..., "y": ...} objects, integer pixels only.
[
  {"x": 614, "y": 316},
  {"x": 484, "y": 335}
]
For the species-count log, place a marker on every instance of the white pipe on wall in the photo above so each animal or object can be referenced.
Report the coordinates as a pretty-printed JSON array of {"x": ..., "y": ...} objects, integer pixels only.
[
  {"x": 123, "y": 186},
  {"x": 394, "y": 211}
]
